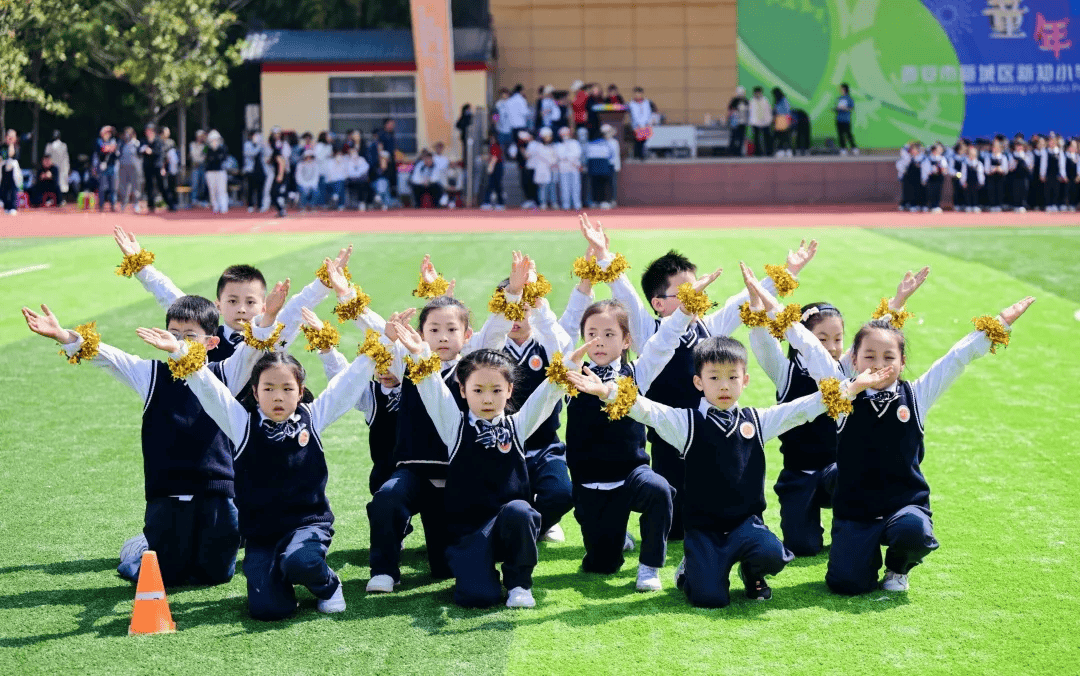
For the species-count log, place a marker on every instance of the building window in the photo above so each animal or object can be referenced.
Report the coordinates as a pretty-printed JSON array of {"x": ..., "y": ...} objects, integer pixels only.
[{"x": 364, "y": 102}]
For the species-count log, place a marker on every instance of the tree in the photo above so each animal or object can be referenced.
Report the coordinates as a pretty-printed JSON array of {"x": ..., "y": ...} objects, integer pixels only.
[
  {"x": 172, "y": 51},
  {"x": 32, "y": 33}
]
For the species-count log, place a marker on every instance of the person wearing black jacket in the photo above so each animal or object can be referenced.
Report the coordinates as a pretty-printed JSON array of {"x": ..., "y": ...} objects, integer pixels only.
[{"x": 152, "y": 152}]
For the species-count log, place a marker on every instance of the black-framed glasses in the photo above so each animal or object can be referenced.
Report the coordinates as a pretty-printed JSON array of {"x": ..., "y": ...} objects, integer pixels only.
[{"x": 194, "y": 337}]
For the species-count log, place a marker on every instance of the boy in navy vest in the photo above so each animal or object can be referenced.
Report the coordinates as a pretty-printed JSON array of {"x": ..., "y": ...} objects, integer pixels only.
[
  {"x": 191, "y": 521},
  {"x": 672, "y": 386},
  {"x": 723, "y": 446}
]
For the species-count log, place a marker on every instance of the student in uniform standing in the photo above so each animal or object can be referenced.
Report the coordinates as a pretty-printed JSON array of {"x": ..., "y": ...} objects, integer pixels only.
[
  {"x": 957, "y": 158},
  {"x": 934, "y": 169},
  {"x": 153, "y": 167},
  {"x": 1051, "y": 173},
  {"x": 1071, "y": 189},
  {"x": 1020, "y": 163},
  {"x": 996, "y": 168},
  {"x": 972, "y": 177}
]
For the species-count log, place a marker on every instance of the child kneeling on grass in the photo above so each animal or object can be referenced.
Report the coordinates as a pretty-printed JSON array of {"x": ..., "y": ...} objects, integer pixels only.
[
  {"x": 280, "y": 470},
  {"x": 488, "y": 514}
]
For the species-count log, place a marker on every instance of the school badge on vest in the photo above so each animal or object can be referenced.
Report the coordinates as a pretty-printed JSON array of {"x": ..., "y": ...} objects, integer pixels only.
[
  {"x": 747, "y": 430},
  {"x": 536, "y": 363},
  {"x": 504, "y": 447},
  {"x": 903, "y": 413},
  {"x": 303, "y": 438}
]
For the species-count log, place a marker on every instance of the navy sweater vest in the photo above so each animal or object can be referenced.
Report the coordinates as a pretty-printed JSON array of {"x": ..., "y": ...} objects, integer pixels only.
[
  {"x": 811, "y": 446},
  {"x": 418, "y": 446},
  {"x": 184, "y": 451},
  {"x": 224, "y": 348},
  {"x": 382, "y": 425},
  {"x": 532, "y": 372},
  {"x": 599, "y": 450},
  {"x": 674, "y": 385},
  {"x": 877, "y": 459},
  {"x": 725, "y": 472},
  {"x": 281, "y": 485},
  {"x": 479, "y": 480}
]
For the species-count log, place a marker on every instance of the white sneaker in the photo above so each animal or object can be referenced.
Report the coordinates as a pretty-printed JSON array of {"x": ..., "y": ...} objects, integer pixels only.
[
  {"x": 680, "y": 573},
  {"x": 363, "y": 206},
  {"x": 1020, "y": 210},
  {"x": 1051, "y": 209},
  {"x": 133, "y": 547},
  {"x": 251, "y": 210},
  {"x": 554, "y": 534},
  {"x": 901, "y": 208},
  {"x": 936, "y": 210},
  {"x": 485, "y": 207},
  {"x": 500, "y": 207},
  {"x": 894, "y": 581},
  {"x": 383, "y": 584},
  {"x": 854, "y": 151},
  {"x": 648, "y": 578},
  {"x": 913, "y": 210},
  {"x": 12, "y": 212},
  {"x": 628, "y": 543},
  {"x": 843, "y": 152},
  {"x": 605, "y": 205},
  {"x": 520, "y": 597},
  {"x": 334, "y": 604}
]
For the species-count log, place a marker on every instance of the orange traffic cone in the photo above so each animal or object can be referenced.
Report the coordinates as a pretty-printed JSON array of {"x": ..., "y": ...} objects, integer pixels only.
[{"x": 151, "y": 615}]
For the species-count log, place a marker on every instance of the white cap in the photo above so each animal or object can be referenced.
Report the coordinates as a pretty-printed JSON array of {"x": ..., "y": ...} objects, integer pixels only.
[
  {"x": 213, "y": 135},
  {"x": 524, "y": 134},
  {"x": 545, "y": 132},
  {"x": 548, "y": 89},
  {"x": 607, "y": 130},
  {"x": 578, "y": 84},
  {"x": 740, "y": 91}
]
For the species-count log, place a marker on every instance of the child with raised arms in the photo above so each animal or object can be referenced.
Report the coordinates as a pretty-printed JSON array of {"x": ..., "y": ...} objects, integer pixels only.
[
  {"x": 660, "y": 282},
  {"x": 807, "y": 480},
  {"x": 881, "y": 496},
  {"x": 606, "y": 451},
  {"x": 281, "y": 472},
  {"x": 421, "y": 458},
  {"x": 190, "y": 518},
  {"x": 723, "y": 445},
  {"x": 488, "y": 493}
]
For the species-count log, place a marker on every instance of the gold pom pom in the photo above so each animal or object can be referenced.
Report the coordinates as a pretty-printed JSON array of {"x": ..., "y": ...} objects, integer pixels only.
[
  {"x": 91, "y": 341},
  {"x": 617, "y": 267},
  {"x": 785, "y": 319},
  {"x": 695, "y": 302},
  {"x": 896, "y": 317},
  {"x": 586, "y": 269},
  {"x": 439, "y": 287},
  {"x": 498, "y": 305},
  {"x": 785, "y": 283},
  {"x": 135, "y": 262},
  {"x": 417, "y": 371},
  {"x": 190, "y": 363},
  {"x": 993, "y": 329},
  {"x": 624, "y": 399},
  {"x": 752, "y": 319},
  {"x": 320, "y": 339},
  {"x": 377, "y": 351},
  {"x": 556, "y": 373},
  {"x": 534, "y": 291},
  {"x": 835, "y": 402},
  {"x": 264, "y": 345},
  {"x": 591, "y": 270},
  {"x": 351, "y": 309},
  {"x": 324, "y": 275}
]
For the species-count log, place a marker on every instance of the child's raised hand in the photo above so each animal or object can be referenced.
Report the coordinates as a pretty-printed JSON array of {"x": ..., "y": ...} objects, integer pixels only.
[
  {"x": 1009, "y": 315},
  {"x": 427, "y": 270},
  {"x": 311, "y": 319},
  {"x": 594, "y": 235},
  {"x": 579, "y": 354},
  {"x": 334, "y": 271},
  {"x": 705, "y": 280},
  {"x": 869, "y": 379},
  {"x": 46, "y": 324},
  {"x": 159, "y": 338},
  {"x": 275, "y": 300},
  {"x": 126, "y": 241},
  {"x": 797, "y": 260},
  {"x": 343, "y": 257},
  {"x": 391, "y": 329},
  {"x": 410, "y": 338},
  {"x": 450, "y": 288},
  {"x": 760, "y": 298},
  {"x": 909, "y": 285},
  {"x": 587, "y": 382},
  {"x": 519, "y": 274}
]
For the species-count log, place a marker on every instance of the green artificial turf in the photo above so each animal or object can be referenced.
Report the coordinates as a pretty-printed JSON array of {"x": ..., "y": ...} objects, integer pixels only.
[{"x": 1000, "y": 596}]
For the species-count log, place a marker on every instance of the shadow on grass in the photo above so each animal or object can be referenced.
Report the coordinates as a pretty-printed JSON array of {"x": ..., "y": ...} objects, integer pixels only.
[
  {"x": 65, "y": 567},
  {"x": 96, "y": 604}
]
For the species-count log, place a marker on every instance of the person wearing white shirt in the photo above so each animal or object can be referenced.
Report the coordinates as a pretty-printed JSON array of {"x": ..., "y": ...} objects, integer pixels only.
[
  {"x": 336, "y": 169},
  {"x": 568, "y": 153},
  {"x": 58, "y": 151},
  {"x": 324, "y": 150},
  {"x": 358, "y": 178},
  {"x": 517, "y": 110},
  {"x": 424, "y": 181},
  {"x": 542, "y": 156},
  {"x": 503, "y": 131},
  {"x": 641, "y": 112},
  {"x": 761, "y": 120},
  {"x": 307, "y": 180}
]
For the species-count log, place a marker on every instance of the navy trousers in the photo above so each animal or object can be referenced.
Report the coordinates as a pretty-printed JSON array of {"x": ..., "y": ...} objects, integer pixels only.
[
  {"x": 603, "y": 516},
  {"x": 710, "y": 556},
  {"x": 855, "y": 555},
  {"x": 195, "y": 540},
  {"x": 389, "y": 511},
  {"x": 667, "y": 462},
  {"x": 510, "y": 537},
  {"x": 550, "y": 481},
  {"x": 802, "y": 495},
  {"x": 272, "y": 569}
]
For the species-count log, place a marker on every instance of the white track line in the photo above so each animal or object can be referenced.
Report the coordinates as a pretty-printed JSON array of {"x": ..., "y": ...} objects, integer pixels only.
[{"x": 29, "y": 268}]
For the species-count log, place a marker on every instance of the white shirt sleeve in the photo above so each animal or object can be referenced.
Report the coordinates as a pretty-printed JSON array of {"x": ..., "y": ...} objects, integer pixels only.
[
  {"x": 547, "y": 330},
  {"x": 368, "y": 319},
  {"x": 340, "y": 393},
  {"x": 672, "y": 424},
  {"x": 441, "y": 406},
  {"x": 571, "y": 316},
  {"x": 218, "y": 402},
  {"x": 819, "y": 363},
  {"x": 237, "y": 367},
  {"x": 775, "y": 420},
  {"x": 642, "y": 324},
  {"x": 159, "y": 285},
  {"x": 310, "y": 297},
  {"x": 931, "y": 385},
  {"x": 135, "y": 372},
  {"x": 334, "y": 363},
  {"x": 538, "y": 408},
  {"x": 770, "y": 356},
  {"x": 492, "y": 335},
  {"x": 724, "y": 321},
  {"x": 659, "y": 350}
]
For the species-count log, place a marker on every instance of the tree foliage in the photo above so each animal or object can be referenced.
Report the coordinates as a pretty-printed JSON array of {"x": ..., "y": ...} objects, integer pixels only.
[{"x": 32, "y": 35}]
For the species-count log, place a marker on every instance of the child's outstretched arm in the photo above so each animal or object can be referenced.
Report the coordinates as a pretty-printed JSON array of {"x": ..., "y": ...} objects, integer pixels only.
[
  {"x": 659, "y": 349},
  {"x": 237, "y": 366},
  {"x": 547, "y": 330},
  {"x": 334, "y": 279},
  {"x": 492, "y": 335},
  {"x": 672, "y": 424},
  {"x": 342, "y": 392},
  {"x": 324, "y": 338},
  {"x": 140, "y": 264},
  {"x": 438, "y": 400},
  {"x": 540, "y": 404},
  {"x": 216, "y": 398},
  {"x": 642, "y": 324},
  {"x": 766, "y": 348},
  {"x": 988, "y": 334},
  {"x": 775, "y": 420},
  {"x": 84, "y": 343},
  {"x": 581, "y": 297}
]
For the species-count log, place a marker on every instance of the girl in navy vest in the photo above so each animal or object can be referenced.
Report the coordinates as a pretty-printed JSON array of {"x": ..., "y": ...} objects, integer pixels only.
[
  {"x": 996, "y": 168},
  {"x": 934, "y": 169},
  {"x": 1071, "y": 189},
  {"x": 608, "y": 464},
  {"x": 1020, "y": 164},
  {"x": 489, "y": 515},
  {"x": 418, "y": 482},
  {"x": 881, "y": 497},
  {"x": 280, "y": 471},
  {"x": 1052, "y": 172},
  {"x": 807, "y": 481},
  {"x": 972, "y": 177},
  {"x": 190, "y": 517}
]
